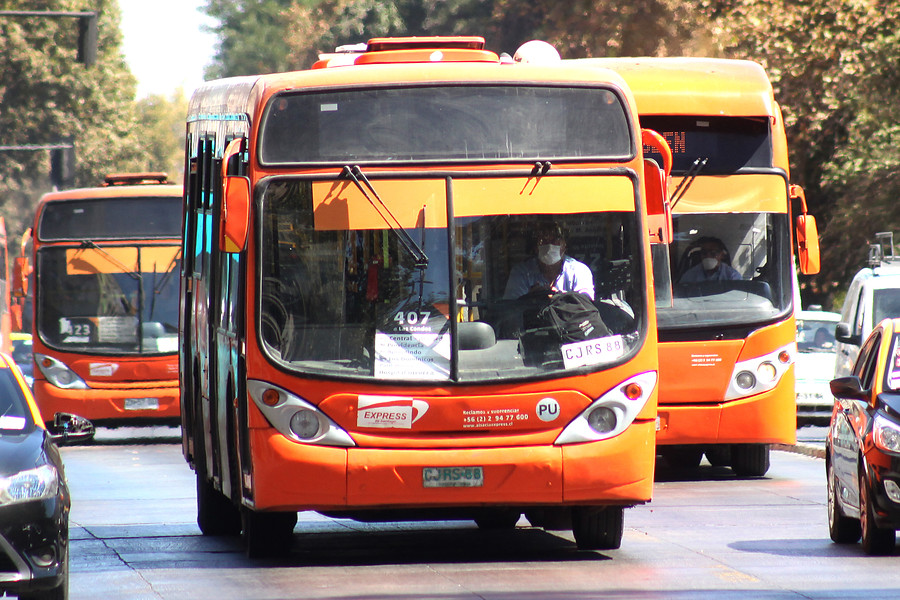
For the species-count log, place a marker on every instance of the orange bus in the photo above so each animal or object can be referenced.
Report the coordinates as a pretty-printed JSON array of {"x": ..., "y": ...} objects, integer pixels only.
[
  {"x": 360, "y": 336},
  {"x": 105, "y": 300},
  {"x": 726, "y": 335}
]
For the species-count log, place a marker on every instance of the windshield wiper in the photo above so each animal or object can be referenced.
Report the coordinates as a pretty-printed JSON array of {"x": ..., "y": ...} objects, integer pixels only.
[
  {"x": 85, "y": 244},
  {"x": 687, "y": 180},
  {"x": 355, "y": 174}
]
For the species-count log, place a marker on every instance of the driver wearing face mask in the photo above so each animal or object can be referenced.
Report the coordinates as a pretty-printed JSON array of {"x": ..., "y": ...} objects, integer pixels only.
[
  {"x": 550, "y": 270},
  {"x": 712, "y": 266}
]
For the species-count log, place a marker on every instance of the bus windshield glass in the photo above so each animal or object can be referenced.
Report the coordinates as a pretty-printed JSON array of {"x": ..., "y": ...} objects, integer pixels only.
[
  {"x": 723, "y": 145},
  {"x": 343, "y": 296},
  {"x": 728, "y": 269},
  {"x": 138, "y": 218},
  {"x": 109, "y": 298},
  {"x": 440, "y": 123}
]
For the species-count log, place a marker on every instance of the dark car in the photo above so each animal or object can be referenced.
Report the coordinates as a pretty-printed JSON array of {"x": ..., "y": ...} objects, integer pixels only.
[
  {"x": 34, "y": 498},
  {"x": 862, "y": 449}
]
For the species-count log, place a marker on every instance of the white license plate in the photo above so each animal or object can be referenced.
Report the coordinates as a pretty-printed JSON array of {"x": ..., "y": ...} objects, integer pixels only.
[
  {"x": 141, "y": 403},
  {"x": 435, "y": 477}
]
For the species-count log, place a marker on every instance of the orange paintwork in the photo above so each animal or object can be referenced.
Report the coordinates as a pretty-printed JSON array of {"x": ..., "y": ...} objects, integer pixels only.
[
  {"x": 694, "y": 376},
  {"x": 111, "y": 379},
  {"x": 386, "y": 471}
]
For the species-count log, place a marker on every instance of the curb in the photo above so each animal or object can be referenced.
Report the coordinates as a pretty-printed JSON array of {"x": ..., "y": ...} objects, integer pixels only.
[{"x": 804, "y": 449}]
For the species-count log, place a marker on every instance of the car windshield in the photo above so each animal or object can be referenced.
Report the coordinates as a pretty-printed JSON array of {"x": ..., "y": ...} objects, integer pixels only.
[
  {"x": 727, "y": 269},
  {"x": 109, "y": 298},
  {"x": 815, "y": 336},
  {"x": 14, "y": 414},
  {"x": 886, "y": 304},
  {"x": 343, "y": 294}
]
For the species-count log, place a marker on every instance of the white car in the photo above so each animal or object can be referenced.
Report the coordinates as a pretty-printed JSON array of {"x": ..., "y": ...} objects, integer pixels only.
[{"x": 815, "y": 364}]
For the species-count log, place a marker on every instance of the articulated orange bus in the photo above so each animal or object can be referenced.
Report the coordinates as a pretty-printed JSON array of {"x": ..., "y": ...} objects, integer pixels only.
[
  {"x": 105, "y": 322},
  {"x": 417, "y": 285},
  {"x": 726, "y": 334}
]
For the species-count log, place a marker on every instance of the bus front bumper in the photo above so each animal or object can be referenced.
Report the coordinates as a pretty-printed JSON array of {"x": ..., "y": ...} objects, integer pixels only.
[
  {"x": 110, "y": 404},
  {"x": 288, "y": 476}
]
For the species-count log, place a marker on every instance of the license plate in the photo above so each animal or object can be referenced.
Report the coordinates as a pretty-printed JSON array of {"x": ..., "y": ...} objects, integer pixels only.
[
  {"x": 141, "y": 403},
  {"x": 436, "y": 477}
]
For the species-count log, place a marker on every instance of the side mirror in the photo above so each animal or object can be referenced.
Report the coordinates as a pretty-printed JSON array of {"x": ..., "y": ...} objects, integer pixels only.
[
  {"x": 21, "y": 271},
  {"x": 234, "y": 218},
  {"x": 807, "y": 234},
  {"x": 656, "y": 181},
  {"x": 847, "y": 388},
  {"x": 842, "y": 334},
  {"x": 70, "y": 429}
]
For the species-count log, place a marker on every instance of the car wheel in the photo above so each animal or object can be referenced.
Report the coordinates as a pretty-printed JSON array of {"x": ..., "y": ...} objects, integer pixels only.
[
  {"x": 598, "y": 528},
  {"x": 750, "y": 460},
  {"x": 875, "y": 540},
  {"x": 267, "y": 534},
  {"x": 499, "y": 518},
  {"x": 843, "y": 530}
]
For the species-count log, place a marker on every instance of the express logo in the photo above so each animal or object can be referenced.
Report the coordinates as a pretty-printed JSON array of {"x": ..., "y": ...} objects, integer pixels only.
[{"x": 389, "y": 412}]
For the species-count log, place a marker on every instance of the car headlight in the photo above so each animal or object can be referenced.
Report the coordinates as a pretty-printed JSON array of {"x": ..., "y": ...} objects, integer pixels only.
[
  {"x": 58, "y": 374},
  {"x": 295, "y": 418},
  {"x": 611, "y": 413},
  {"x": 886, "y": 434},
  {"x": 760, "y": 374},
  {"x": 33, "y": 484}
]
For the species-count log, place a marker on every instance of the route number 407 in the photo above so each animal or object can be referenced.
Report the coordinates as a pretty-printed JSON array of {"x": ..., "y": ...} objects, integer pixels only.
[{"x": 406, "y": 319}]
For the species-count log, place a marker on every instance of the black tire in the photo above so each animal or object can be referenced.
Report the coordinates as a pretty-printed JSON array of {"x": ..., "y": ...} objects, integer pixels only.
[
  {"x": 598, "y": 528},
  {"x": 843, "y": 530},
  {"x": 216, "y": 514},
  {"x": 876, "y": 541},
  {"x": 499, "y": 518},
  {"x": 719, "y": 455},
  {"x": 750, "y": 460},
  {"x": 551, "y": 519},
  {"x": 267, "y": 534},
  {"x": 682, "y": 457}
]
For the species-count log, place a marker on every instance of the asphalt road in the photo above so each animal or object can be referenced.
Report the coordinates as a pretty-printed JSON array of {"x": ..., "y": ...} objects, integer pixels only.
[{"x": 706, "y": 534}]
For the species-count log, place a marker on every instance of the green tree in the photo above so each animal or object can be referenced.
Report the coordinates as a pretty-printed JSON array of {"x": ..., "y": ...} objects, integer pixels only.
[
  {"x": 49, "y": 97},
  {"x": 163, "y": 123},
  {"x": 251, "y": 37}
]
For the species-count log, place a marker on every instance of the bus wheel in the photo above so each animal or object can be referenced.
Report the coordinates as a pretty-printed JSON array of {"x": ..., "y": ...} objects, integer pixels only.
[
  {"x": 216, "y": 514},
  {"x": 682, "y": 457},
  {"x": 267, "y": 534},
  {"x": 598, "y": 528},
  {"x": 719, "y": 455},
  {"x": 497, "y": 518},
  {"x": 750, "y": 460}
]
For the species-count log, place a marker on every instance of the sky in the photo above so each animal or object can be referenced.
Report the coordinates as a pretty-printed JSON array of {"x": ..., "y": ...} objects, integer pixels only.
[{"x": 165, "y": 45}]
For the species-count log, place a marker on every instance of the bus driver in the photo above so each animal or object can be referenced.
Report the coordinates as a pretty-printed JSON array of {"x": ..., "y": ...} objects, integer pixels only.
[{"x": 550, "y": 269}]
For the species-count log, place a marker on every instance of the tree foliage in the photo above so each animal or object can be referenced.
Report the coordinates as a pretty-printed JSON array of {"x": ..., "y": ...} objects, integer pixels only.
[
  {"x": 833, "y": 65},
  {"x": 49, "y": 98}
]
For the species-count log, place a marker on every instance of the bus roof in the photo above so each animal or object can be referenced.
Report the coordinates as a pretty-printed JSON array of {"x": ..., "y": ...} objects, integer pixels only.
[
  {"x": 693, "y": 86},
  {"x": 115, "y": 191},
  {"x": 386, "y": 65}
]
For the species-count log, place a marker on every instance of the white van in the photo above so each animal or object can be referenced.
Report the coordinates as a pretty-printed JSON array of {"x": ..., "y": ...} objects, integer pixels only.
[{"x": 874, "y": 294}]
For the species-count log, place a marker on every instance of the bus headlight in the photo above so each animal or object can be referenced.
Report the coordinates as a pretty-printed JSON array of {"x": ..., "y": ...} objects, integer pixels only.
[
  {"x": 58, "y": 374},
  {"x": 611, "y": 413},
  {"x": 760, "y": 374},
  {"x": 295, "y": 418}
]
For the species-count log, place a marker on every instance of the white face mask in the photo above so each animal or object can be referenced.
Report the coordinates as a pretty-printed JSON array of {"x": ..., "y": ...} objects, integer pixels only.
[
  {"x": 710, "y": 263},
  {"x": 550, "y": 254}
]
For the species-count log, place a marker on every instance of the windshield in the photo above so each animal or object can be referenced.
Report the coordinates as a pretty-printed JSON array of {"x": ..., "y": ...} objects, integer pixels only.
[
  {"x": 111, "y": 218},
  {"x": 815, "y": 336},
  {"x": 343, "y": 295},
  {"x": 886, "y": 304},
  {"x": 443, "y": 123},
  {"x": 727, "y": 269},
  {"x": 14, "y": 413},
  {"x": 109, "y": 299}
]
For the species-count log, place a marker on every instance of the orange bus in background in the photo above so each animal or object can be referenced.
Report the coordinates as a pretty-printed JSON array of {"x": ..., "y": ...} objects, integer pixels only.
[
  {"x": 105, "y": 300},
  {"x": 726, "y": 335},
  {"x": 351, "y": 343}
]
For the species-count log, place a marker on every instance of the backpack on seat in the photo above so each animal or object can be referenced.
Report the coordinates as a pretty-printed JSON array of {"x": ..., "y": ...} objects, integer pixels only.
[{"x": 567, "y": 317}]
